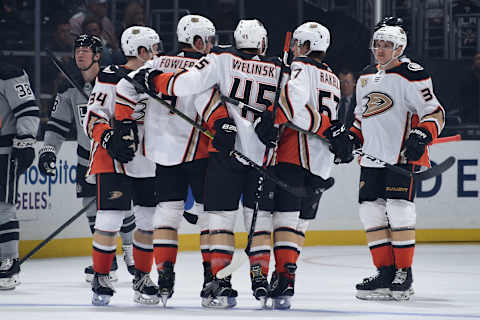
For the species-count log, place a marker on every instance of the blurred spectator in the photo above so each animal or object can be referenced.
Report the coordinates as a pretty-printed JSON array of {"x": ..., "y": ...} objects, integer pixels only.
[
  {"x": 348, "y": 100},
  {"x": 98, "y": 9},
  {"x": 92, "y": 26},
  {"x": 63, "y": 38},
  {"x": 133, "y": 15},
  {"x": 469, "y": 94}
]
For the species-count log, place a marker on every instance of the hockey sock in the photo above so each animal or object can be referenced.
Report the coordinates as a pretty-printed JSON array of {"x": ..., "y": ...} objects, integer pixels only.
[
  {"x": 127, "y": 228},
  {"x": 403, "y": 256},
  {"x": 382, "y": 254},
  {"x": 102, "y": 257},
  {"x": 285, "y": 248},
  {"x": 204, "y": 246},
  {"x": 221, "y": 249},
  {"x": 165, "y": 246},
  {"x": 260, "y": 250}
]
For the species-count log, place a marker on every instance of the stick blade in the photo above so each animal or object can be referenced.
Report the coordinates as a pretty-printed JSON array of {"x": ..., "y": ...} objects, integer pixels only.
[
  {"x": 239, "y": 258},
  {"x": 435, "y": 170}
]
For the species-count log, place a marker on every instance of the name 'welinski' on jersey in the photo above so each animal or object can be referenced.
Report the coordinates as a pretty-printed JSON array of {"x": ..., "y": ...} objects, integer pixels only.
[{"x": 260, "y": 69}]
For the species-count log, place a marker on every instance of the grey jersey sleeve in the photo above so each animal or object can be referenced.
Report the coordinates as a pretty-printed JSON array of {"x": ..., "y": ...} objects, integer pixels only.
[
  {"x": 60, "y": 122},
  {"x": 21, "y": 100}
]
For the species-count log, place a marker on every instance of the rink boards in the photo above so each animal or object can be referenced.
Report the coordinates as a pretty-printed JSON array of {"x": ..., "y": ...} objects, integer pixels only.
[{"x": 448, "y": 207}]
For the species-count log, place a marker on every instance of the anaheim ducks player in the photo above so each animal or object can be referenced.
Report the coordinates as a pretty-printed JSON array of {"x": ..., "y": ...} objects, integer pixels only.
[
  {"x": 242, "y": 74},
  {"x": 309, "y": 99},
  {"x": 396, "y": 118},
  {"x": 179, "y": 150},
  {"x": 122, "y": 173},
  {"x": 70, "y": 108}
]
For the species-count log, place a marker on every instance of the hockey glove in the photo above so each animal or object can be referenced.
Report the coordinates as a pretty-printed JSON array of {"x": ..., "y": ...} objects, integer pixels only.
[
  {"x": 47, "y": 160},
  {"x": 416, "y": 143},
  {"x": 121, "y": 143},
  {"x": 145, "y": 78},
  {"x": 340, "y": 143},
  {"x": 225, "y": 133},
  {"x": 266, "y": 130},
  {"x": 23, "y": 152}
]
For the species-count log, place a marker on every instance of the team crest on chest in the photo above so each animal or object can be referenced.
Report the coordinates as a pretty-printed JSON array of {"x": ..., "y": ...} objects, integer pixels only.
[
  {"x": 378, "y": 102},
  {"x": 414, "y": 66}
]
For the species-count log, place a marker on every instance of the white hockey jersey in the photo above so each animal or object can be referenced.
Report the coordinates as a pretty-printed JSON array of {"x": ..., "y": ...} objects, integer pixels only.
[
  {"x": 310, "y": 101},
  {"x": 169, "y": 139},
  {"x": 389, "y": 104},
  {"x": 246, "y": 77},
  {"x": 100, "y": 115}
]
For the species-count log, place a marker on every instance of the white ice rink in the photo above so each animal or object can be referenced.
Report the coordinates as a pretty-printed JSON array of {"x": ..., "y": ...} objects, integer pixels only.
[{"x": 446, "y": 281}]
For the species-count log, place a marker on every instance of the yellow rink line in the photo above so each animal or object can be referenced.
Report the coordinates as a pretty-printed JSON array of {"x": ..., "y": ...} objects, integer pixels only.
[{"x": 83, "y": 246}]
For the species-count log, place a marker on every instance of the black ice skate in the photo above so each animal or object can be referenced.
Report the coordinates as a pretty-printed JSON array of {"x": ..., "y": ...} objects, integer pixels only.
[
  {"x": 166, "y": 281},
  {"x": 89, "y": 272},
  {"x": 219, "y": 294},
  {"x": 102, "y": 289},
  {"x": 260, "y": 285},
  {"x": 144, "y": 289},
  {"x": 9, "y": 270},
  {"x": 376, "y": 287},
  {"x": 128, "y": 258},
  {"x": 282, "y": 287},
  {"x": 401, "y": 287}
]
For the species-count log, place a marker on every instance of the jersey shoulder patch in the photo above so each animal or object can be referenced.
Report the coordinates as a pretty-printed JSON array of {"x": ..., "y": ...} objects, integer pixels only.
[
  {"x": 111, "y": 75},
  {"x": 411, "y": 71},
  {"x": 8, "y": 71}
]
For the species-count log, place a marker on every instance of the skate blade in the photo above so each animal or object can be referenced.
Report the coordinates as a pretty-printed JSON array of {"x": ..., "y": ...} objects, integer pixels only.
[
  {"x": 100, "y": 299},
  {"x": 219, "y": 302},
  {"x": 402, "y": 295},
  {"x": 164, "y": 298},
  {"x": 9, "y": 283},
  {"x": 374, "y": 295},
  {"x": 265, "y": 303},
  {"x": 281, "y": 303},
  {"x": 145, "y": 298},
  {"x": 113, "y": 276}
]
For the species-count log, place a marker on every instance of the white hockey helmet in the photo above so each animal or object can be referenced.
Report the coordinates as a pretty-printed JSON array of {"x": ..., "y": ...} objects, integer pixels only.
[
  {"x": 318, "y": 35},
  {"x": 251, "y": 34},
  {"x": 193, "y": 25},
  {"x": 136, "y": 37},
  {"x": 393, "y": 34}
]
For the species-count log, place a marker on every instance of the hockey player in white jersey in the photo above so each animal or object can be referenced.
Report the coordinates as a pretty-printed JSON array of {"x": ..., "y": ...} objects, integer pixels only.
[
  {"x": 69, "y": 109},
  {"x": 18, "y": 129},
  {"x": 122, "y": 173},
  {"x": 179, "y": 149},
  {"x": 396, "y": 118}
]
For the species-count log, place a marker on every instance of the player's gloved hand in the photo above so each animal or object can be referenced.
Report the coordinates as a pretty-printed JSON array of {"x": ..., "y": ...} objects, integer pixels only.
[
  {"x": 145, "y": 77},
  {"x": 47, "y": 160},
  {"x": 357, "y": 144},
  {"x": 121, "y": 142},
  {"x": 340, "y": 143},
  {"x": 417, "y": 142},
  {"x": 23, "y": 152},
  {"x": 226, "y": 131},
  {"x": 265, "y": 129}
]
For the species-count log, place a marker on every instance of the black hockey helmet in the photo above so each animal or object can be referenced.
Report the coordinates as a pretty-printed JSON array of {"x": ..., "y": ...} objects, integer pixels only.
[
  {"x": 89, "y": 41},
  {"x": 389, "y": 21}
]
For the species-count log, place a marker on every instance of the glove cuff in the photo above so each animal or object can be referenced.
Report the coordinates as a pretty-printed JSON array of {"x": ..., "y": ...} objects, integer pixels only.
[
  {"x": 22, "y": 142},
  {"x": 422, "y": 133},
  {"x": 105, "y": 139},
  {"x": 46, "y": 148}
]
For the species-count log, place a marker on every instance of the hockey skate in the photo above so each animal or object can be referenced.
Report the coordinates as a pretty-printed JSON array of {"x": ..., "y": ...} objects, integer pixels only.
[
  {"x": 260, "y": 285},
  {"x": 145, "y": 290},
  {"x": 376, "y": 287},
  {"x": 207, "y": 279},
  {"x": 401, "y": 287},
  {"x": 218, "y": 294},
  {"x": 9, "y": 270},
  {"x": 166, "y": 281},
  {"x": 128, "y": 258},
  {"x": 89, "y": 272},
  {"x": 102, "y": 289},
  {"x": 282, "y": 287}
]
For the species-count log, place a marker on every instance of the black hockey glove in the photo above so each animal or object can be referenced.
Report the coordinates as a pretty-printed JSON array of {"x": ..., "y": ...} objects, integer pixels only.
[
  {"x": 308, "y": 211},
  {"x": 225, "y": 133},
  {"x": 23, "y": 152},
  {"x": 121, "y": 143},
  {"x": 416, "y": 143},
  {"x": 47, "y": 160},
  {"x": 266, "y": 130},
  {"x": 340, "y": 143},
  {"x": 145, "y": 78}
]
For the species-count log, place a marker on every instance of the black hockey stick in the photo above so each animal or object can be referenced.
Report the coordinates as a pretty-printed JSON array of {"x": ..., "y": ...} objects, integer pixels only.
[
  {"x": 417, "y": 176},
  {"x": 60, "y": 67},
  {"x": 57, "y": 231},
  {"x": 237, "y": 262},
  {"x": 300, "y": 192}
]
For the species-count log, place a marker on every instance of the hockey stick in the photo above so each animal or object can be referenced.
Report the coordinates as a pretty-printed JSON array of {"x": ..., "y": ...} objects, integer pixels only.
[
  {"x": 296, "y": 191},
  {"x": 57, "y": 231},
  {"x": 417, "y": 176},
  {"x": 60, "y": 67},
  {"x": 238, "y": 261}
]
